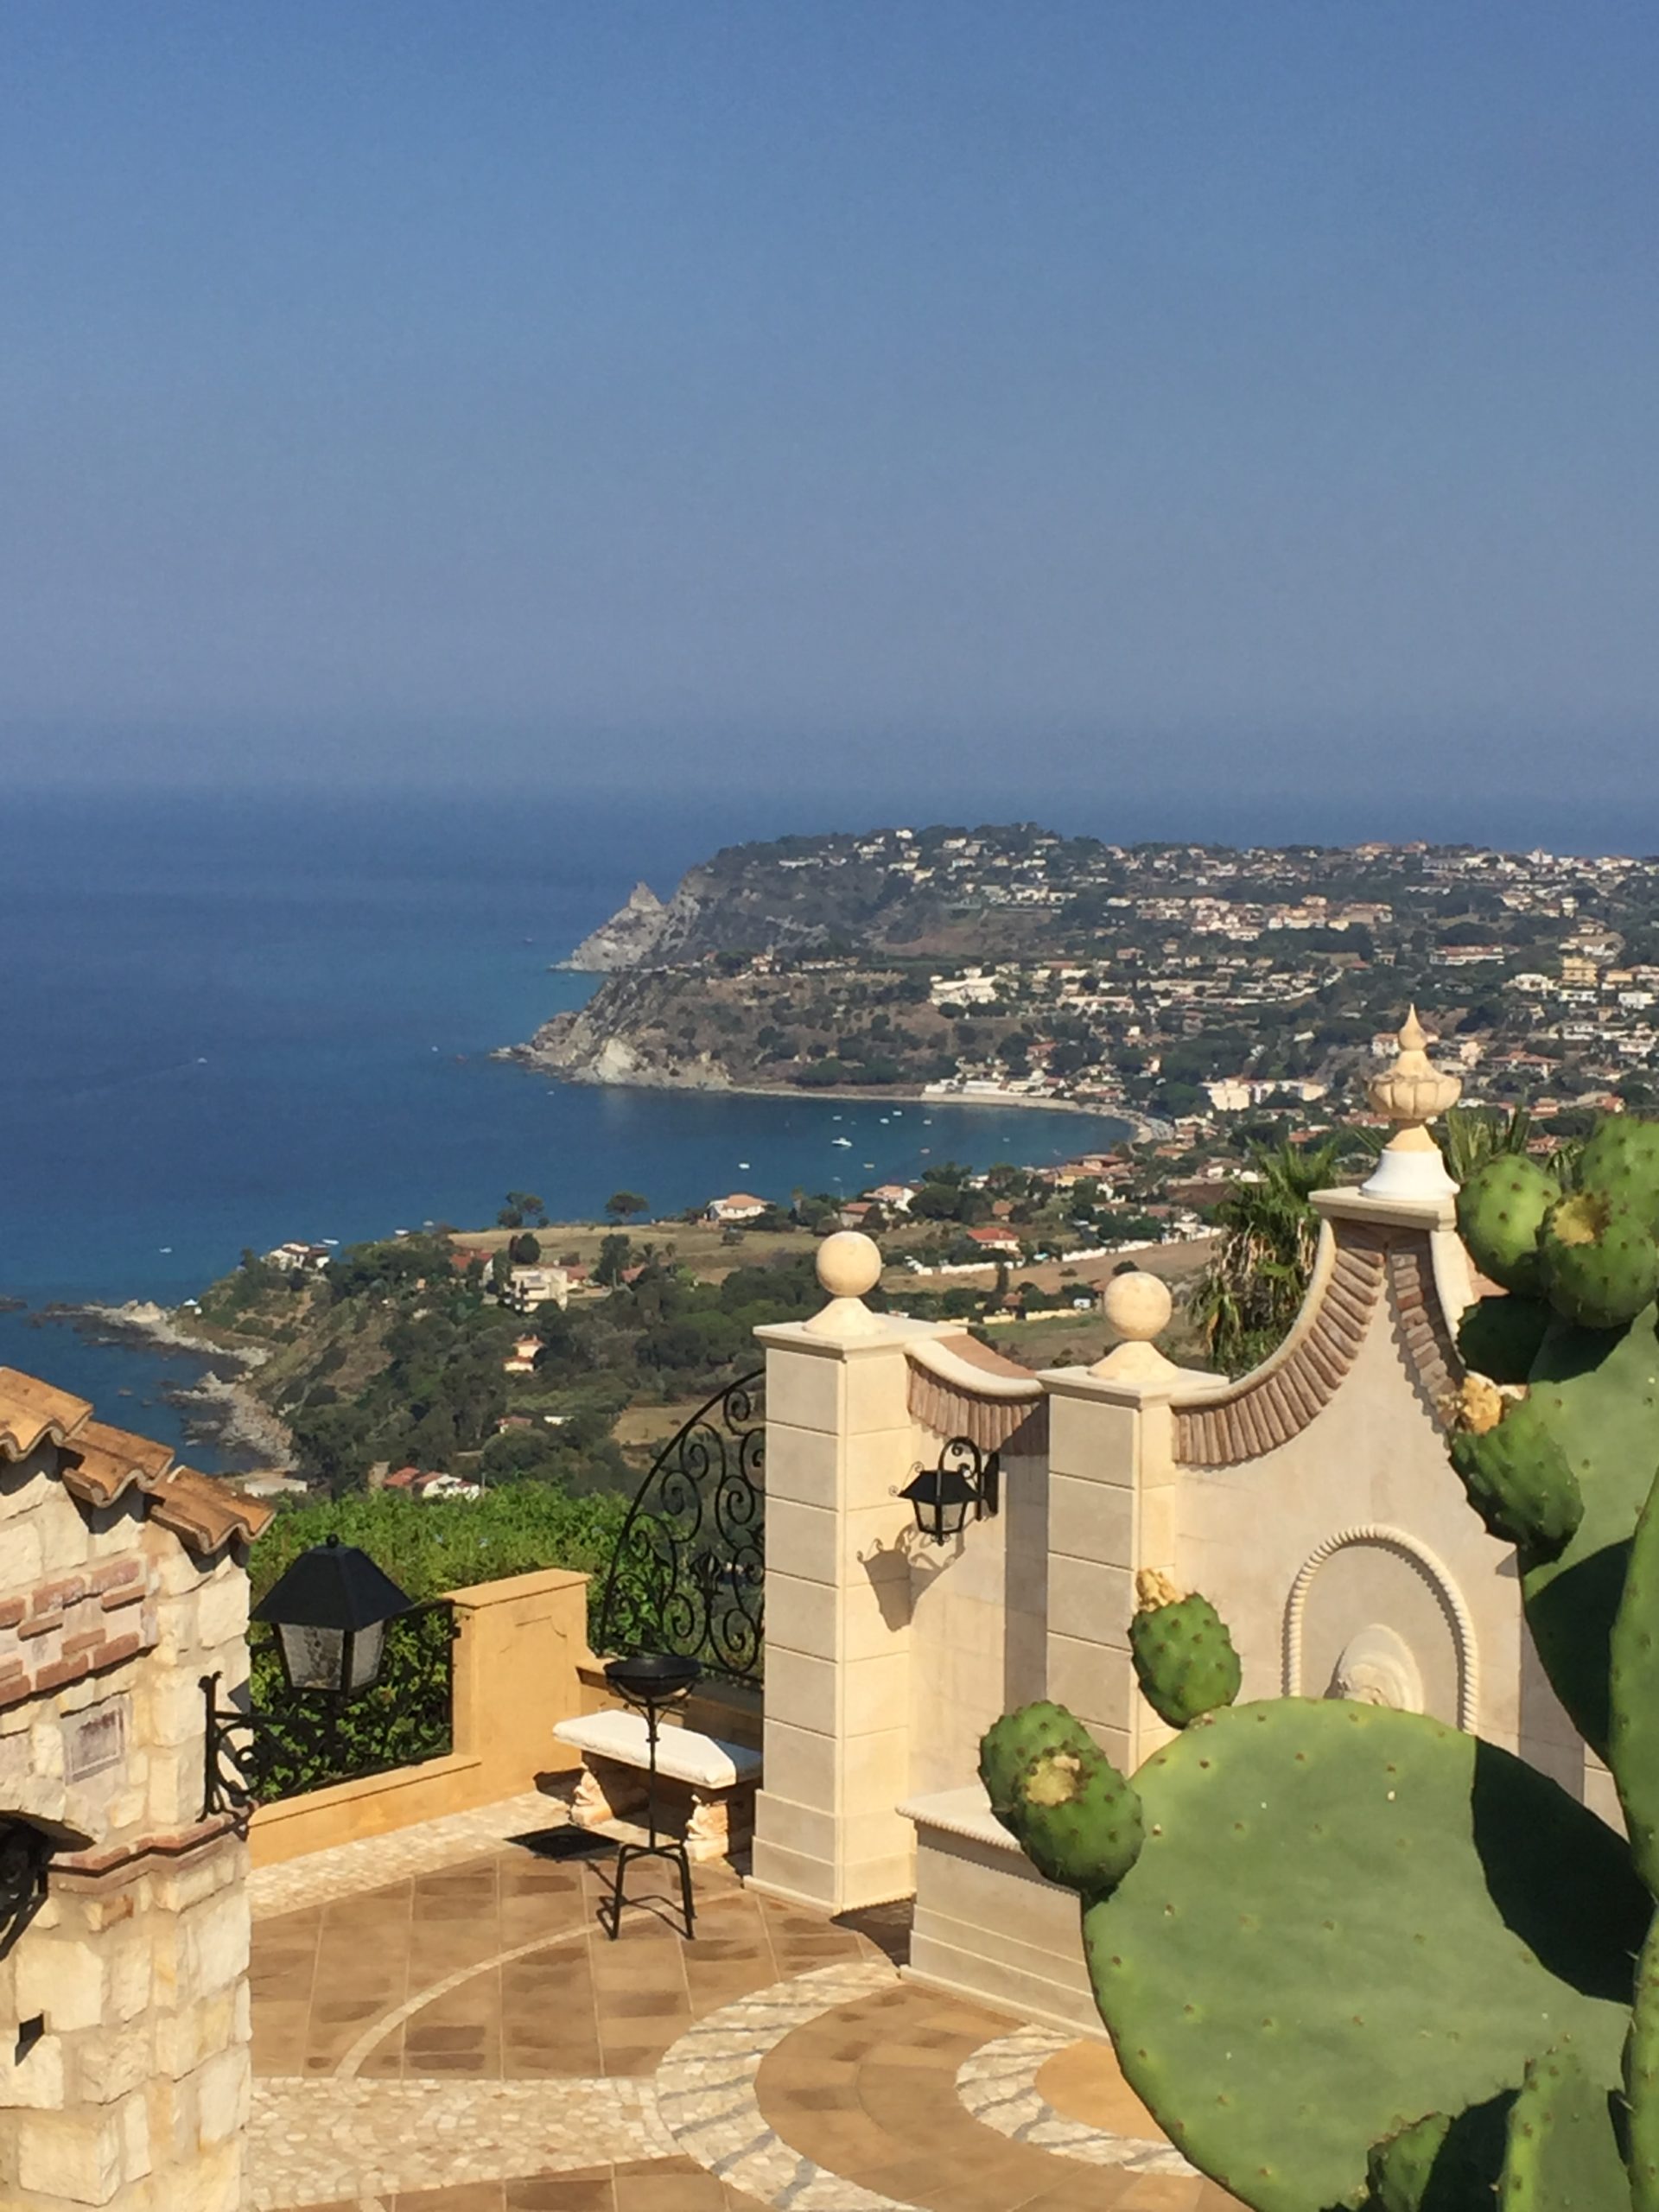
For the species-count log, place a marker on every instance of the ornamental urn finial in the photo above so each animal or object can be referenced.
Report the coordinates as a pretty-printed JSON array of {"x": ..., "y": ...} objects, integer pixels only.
[{"x": 1410, "y": 1092}]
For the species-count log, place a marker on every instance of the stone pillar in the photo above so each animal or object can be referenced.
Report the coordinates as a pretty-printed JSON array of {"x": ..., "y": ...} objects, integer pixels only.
[
  {"x": 839, "y": 1538},
  {"x": 1112, "y": 1502},
  {"x": 123, "y": 2001}
]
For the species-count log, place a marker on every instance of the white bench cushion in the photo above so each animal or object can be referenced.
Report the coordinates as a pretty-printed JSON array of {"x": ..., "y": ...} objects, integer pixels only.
[{"x": 684, "y": 1754}]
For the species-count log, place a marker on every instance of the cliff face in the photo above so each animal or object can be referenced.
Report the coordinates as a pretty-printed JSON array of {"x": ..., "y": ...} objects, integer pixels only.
[
  {"x": 622, "y": 1035},
  {"x": 751, "y": 898},
  {"x": 627, "y": 940}
]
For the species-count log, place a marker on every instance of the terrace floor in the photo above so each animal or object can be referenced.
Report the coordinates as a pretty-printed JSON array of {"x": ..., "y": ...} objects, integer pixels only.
[{"x": 440, "y": 2026}]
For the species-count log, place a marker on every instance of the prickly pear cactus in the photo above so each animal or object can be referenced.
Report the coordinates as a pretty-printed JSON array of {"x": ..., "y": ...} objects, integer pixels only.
[
  {"x": 1514, "y": 1471},
  {"x": 1342, "y": 1919},
  {"x": 1500, "y": 1212},
  {"x": 1077, "y": 1818},
  {"x": 1358, "y": 1959},
  {"x": 1500, "y": 1337},
  {"x": 1183, "y": 1658},
  {"x": 1622, "y": 1159},
  {"x": 1598, "y": 1261}
]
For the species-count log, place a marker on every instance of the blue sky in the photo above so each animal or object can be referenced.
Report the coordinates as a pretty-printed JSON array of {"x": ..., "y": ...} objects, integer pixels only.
[{"x": 1201, "y": 399}]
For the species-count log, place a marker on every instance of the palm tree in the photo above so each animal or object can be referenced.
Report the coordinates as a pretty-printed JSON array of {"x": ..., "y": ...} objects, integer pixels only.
[
  {"x": 1475, "y": 1135},
  {"x": 1255, "y": 1287}
]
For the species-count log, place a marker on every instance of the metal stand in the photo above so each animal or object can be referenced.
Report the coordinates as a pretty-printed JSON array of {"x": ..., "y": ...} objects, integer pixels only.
[{"x": 649, "y": 1685}]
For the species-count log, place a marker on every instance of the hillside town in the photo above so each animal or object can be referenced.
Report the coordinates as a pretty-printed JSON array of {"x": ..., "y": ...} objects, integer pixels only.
[{"x": 1178, "y": 986}]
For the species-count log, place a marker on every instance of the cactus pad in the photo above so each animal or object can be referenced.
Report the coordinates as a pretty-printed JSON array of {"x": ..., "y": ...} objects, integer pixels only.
[
  {"x": 1562, "y": 2154},
  {"x": 1500, "y": 1212},
  {"x": 1183, "y": 1657},
  {"x": 1633, "y": 1694},
  {"x": 1441, "y": 2165},
  {"x": 1600, "y": 1264},
  {"x": 1500, "y": 1336},
  {"x": 1517, "y": 1477},
  {"x": 1345, "y": 1917},
  {"x": 1060, "y": 1797},
  {"x": 1599, "y": 1394},
  {"x": 1011, "y": 1745},
  {"x": 1622, "y": 1159}
]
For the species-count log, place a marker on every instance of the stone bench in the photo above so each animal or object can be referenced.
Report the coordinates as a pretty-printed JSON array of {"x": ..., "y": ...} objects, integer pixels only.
[{"x": 719, "y": 1776}]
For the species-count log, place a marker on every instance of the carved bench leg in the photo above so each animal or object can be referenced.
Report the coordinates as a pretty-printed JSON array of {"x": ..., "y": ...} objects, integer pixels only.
[
  {"x": 607, "y": 1791},
  {"x": 722, "y": 1821}
]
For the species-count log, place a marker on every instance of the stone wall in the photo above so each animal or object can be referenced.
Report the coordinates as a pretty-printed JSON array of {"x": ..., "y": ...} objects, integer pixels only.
[{"x": 124, "y": 2004}]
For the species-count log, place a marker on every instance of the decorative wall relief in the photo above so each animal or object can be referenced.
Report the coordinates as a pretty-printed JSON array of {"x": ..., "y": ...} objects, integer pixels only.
[{"x": 1376, "y": 1668}]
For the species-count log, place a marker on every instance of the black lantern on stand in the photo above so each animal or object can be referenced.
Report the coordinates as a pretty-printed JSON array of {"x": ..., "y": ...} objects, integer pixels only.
[
  {"x": 330, "y": 1612},
  {"x": 966, "y": 1480}
]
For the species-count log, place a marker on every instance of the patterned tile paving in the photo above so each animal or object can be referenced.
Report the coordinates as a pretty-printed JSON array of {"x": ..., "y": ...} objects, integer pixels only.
[{"x": 446, "y": 2029}]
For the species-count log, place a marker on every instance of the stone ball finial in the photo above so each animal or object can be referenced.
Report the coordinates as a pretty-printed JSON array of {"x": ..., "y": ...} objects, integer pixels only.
[
  {"x": 849, "y": 1263},
  {"x": 1138, "y": 1305}
]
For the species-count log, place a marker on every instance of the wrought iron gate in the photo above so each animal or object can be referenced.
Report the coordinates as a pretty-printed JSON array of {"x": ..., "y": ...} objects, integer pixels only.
[{"x": 687, "y": 1575}]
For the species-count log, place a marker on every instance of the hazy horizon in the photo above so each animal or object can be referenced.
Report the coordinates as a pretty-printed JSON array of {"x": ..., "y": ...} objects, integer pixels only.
[{"x": 1179, "y": 416}]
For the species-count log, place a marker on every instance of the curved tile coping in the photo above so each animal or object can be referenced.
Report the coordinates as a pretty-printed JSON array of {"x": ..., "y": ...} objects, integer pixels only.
[{"x": 997, "y": 2084}]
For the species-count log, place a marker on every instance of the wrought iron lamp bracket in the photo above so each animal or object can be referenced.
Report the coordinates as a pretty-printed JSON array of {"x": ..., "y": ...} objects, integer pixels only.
[
  {"x": 227, "y": 1764},
  {"x": 964, "y": 1480},
  {"x": 25, "y": 1851}
]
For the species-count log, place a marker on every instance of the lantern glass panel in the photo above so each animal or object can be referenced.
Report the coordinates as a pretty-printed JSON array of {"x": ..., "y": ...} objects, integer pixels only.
[
  {"x": 952, "y": 1517},
  {"x": 364, "y": 1653},
  {"x": 313, "y": 1658}
]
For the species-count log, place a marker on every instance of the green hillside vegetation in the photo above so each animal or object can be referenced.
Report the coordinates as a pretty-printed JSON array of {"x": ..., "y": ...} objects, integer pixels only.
[{"x": 395, "y": 1356}]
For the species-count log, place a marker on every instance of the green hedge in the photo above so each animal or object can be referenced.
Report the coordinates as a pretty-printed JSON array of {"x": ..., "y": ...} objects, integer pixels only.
[{"x": 427, "y": 1547}]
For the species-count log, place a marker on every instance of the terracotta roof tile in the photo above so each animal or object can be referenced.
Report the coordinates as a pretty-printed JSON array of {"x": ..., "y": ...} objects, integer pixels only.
[
  {"x": 101, "y": 1461},
  {"x": 205, "y": 1513},
  {"x": 986, "y": 1356},
  {"x": 32, "y": 1413},
  {"x": 99, "y": 1464}
]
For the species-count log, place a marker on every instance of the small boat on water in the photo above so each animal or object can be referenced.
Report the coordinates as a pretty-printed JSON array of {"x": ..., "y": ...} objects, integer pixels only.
[{"x": 846, "y": 1143}]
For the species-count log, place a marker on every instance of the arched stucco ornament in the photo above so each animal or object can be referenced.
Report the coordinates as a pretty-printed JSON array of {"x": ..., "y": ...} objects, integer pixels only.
[
  {"x": 1377, "y": 1666},
  {"x": 1434, "y": 1572}
]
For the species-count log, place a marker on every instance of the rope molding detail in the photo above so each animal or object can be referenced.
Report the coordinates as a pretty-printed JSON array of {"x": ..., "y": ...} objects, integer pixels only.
[{"x": 1435, "y": 1573}]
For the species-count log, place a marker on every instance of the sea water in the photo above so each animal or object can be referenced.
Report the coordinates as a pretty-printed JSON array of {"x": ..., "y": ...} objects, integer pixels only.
[{"x": 229, "y": 1021}]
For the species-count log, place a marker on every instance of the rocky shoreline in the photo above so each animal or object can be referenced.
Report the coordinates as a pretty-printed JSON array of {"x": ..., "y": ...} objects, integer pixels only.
[{"x": 220, "y": 1407}]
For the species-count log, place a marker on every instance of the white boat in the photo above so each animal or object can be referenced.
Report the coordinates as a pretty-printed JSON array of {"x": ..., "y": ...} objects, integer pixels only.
[{"x": 846, "y": 1142}]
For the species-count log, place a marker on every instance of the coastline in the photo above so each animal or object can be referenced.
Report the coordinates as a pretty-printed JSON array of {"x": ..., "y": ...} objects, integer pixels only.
[
  {"x": 218, "y": 1406},
  {"x": 1142, "y": 1129}
]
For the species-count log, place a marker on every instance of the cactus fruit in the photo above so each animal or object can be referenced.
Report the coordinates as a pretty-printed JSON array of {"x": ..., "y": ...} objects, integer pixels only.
[
  {"x": 1183, "y": 1657},
  {"x": 1500, "y": 1212},
  {"x": 1599, "y": 1262},
  {"x": 1622, "y": 1160},
  {"x": 1515, "y": 1472},
  {"x": 1071, "y": 1812},
  {"x": 1500, "y": 1336}
]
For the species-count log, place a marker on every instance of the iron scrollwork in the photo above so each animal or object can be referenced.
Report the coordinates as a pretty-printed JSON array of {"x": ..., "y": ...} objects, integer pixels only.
[
  {"x": 688, "y": 1575},
  {"x": 293, "y": 1741}
]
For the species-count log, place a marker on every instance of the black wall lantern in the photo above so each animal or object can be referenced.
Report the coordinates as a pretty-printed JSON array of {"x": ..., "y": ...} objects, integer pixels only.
[
  {"x": 966, "y": 1480},
  {"x": 330, "y": 1612},
  {"x": 27, "y": 1844}
]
